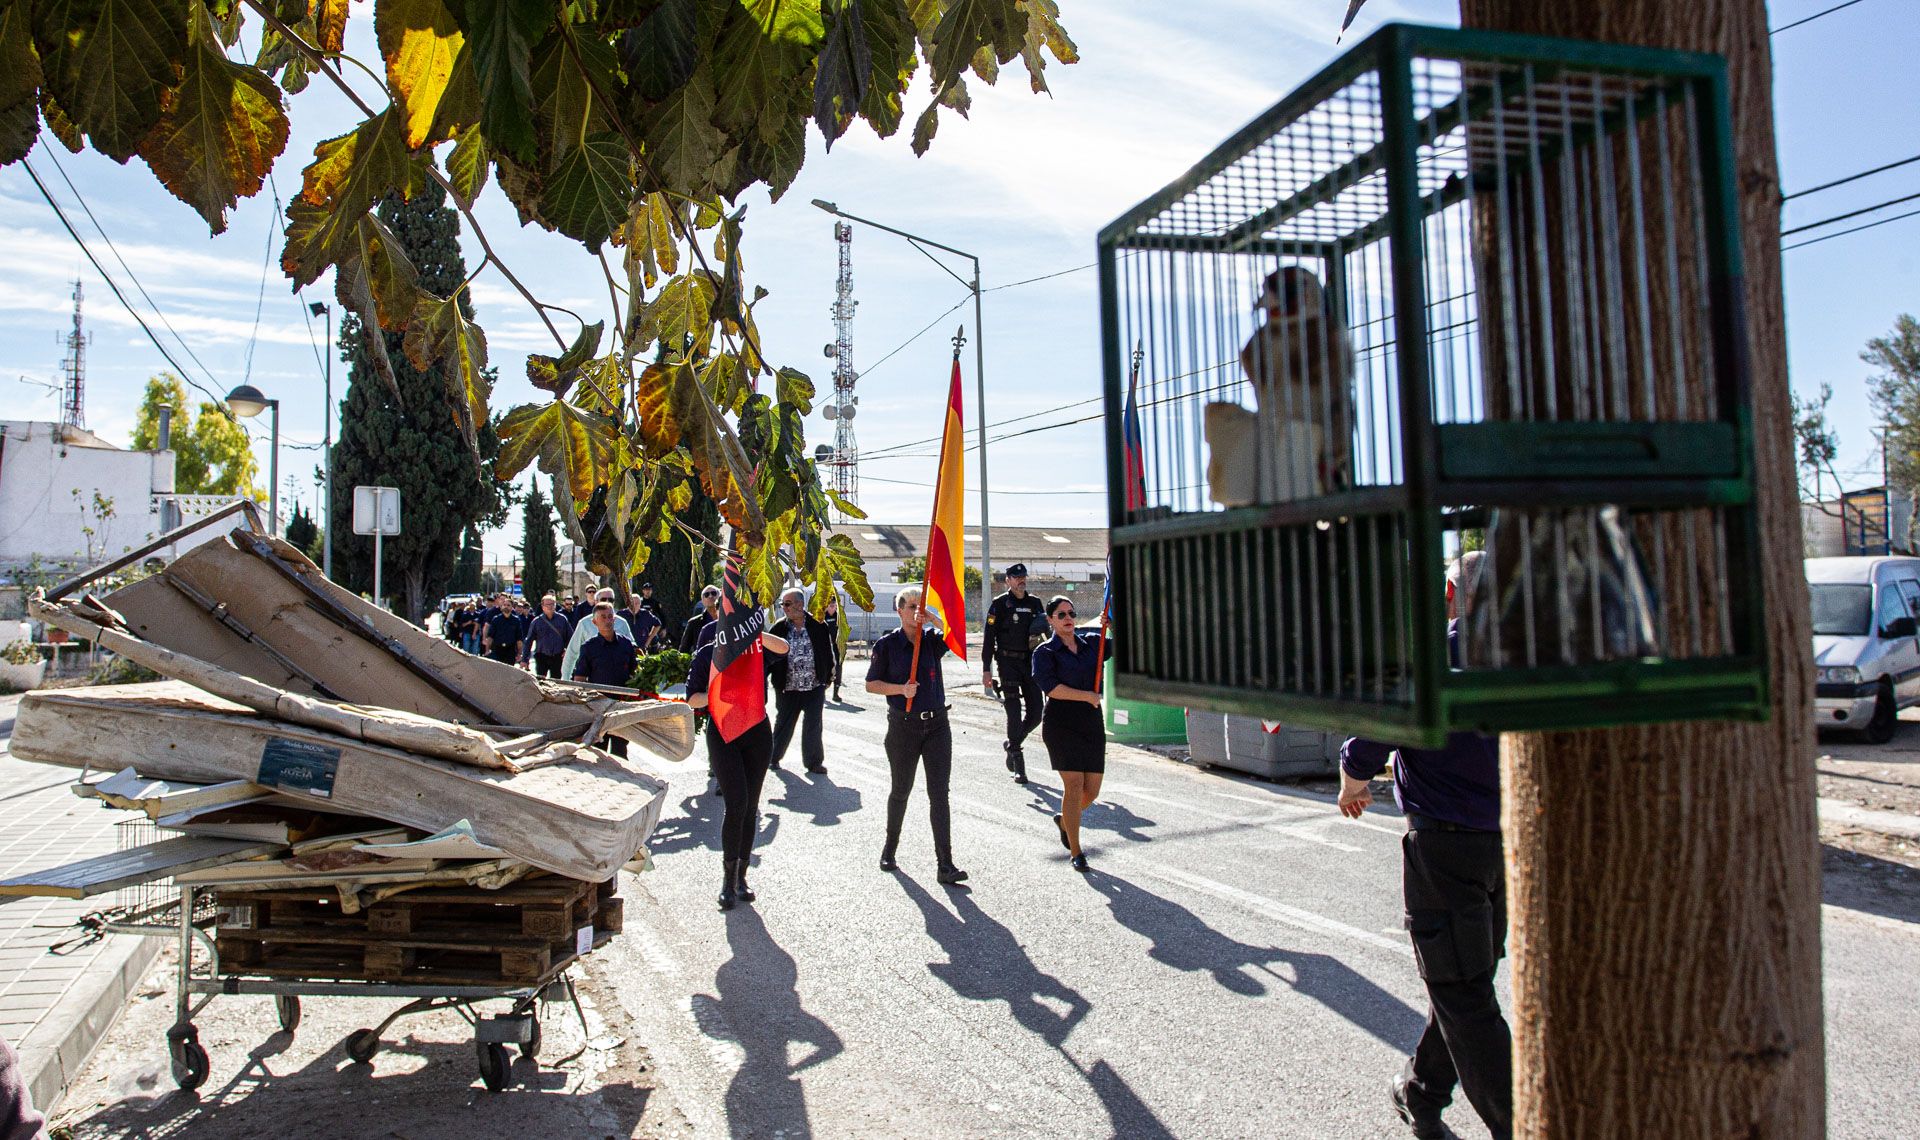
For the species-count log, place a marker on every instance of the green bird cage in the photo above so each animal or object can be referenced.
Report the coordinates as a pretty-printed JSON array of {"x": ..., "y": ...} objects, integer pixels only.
[{"x": 1462, "y": 291}]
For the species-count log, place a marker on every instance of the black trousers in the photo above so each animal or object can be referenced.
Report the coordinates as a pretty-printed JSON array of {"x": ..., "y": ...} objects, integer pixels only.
[
  {"x": 1456, "y": 894},
  {"x": 506, "y": 654},
  {"x": 1020, "y": 695},
  {"x": 910, "y": 743},
  {"x": 806, "y": 709},
  {"x": 741, "y": 767},
  {"x": 548, "y": 664}
]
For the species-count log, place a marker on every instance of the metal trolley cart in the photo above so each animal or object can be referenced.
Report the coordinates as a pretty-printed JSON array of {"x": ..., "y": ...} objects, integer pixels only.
[{"x": 185, "y": 912}]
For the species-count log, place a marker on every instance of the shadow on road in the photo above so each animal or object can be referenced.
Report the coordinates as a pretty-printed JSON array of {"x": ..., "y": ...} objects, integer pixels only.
[
  {"x": 756, "y": 1005},
  {"x": 1123, "y": 821},
  {"x": 1862, "y": 882},
  {"x": 1182, "y": 940},
  {"x": 697, "y": 825},
  {"x": 816, "y": 796},
  {"x": 987, "y": 963}
]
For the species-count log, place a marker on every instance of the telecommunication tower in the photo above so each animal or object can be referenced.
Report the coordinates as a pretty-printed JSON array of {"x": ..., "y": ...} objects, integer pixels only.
[
  {"x": 73, "y": 370},
  {"x": 844, "y": 456}
]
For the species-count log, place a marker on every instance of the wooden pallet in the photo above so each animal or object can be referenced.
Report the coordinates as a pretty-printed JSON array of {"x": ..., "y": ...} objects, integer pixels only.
[{"x": 517, "y": 935}]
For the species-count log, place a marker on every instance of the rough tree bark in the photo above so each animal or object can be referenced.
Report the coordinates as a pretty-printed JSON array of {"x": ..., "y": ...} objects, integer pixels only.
[{"x": 1664, "y": 881}]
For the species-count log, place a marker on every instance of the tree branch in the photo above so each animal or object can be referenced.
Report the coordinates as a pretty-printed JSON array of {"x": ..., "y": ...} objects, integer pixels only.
[{"x": 319, "y": 61}]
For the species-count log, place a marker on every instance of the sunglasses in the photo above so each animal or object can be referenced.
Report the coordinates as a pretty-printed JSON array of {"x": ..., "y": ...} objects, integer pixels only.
[
  {"x": 1066, "y": 614},
  {"x": 789, "y": 605}
]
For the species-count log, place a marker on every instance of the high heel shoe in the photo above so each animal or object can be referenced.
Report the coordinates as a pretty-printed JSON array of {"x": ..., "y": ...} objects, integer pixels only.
[
  {"x": 1061, "y": 824},
  {"x": 1079, "y": 863},
  {"x": 740, "y": 889}
]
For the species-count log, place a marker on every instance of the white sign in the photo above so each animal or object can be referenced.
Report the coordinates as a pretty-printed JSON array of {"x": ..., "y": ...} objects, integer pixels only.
[{"x": 376, "y": 510}]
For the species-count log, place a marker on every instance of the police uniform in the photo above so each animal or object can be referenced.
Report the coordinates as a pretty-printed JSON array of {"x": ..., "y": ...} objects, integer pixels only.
[{"x": 1015, "y": 626}]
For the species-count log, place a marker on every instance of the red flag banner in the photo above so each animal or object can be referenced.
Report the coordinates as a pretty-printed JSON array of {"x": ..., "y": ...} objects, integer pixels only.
[
  {"x": 946, "y": 556},
  {"x": 737, "y": 684}
]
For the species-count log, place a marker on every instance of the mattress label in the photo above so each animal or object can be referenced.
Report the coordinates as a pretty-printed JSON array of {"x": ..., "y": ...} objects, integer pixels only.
[{"x": 298, "y": 766}]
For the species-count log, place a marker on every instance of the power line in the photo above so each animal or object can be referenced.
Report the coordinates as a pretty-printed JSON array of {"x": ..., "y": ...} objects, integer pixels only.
[
  {"x": 1848, "y": 214},
  {"x": 1812, "y": 18},
  {"x": 868, "y": 371},
  {"x": 122, "y": 297},
  {"x": 1849, "y": 178},
  {"x": 1854, "y": 230},
  {"x": 131, "y": 276},
  {"x": 1042, "y": 277},
  {"x": 990, "y": 490}
]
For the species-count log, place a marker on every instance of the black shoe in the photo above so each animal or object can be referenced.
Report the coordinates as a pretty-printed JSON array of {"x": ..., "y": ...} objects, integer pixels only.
[
  {"x": 951, "y": 876},
  {"x": 817, "y": 769},
  {"x": 727, "y": 896},
  {"x": 1426, "y": 1123},
  {"x": 1079, "y": 863},
  {"x": 886, "y": 862},
  {"x": 740, "y": 889},
  {"x": 1061, "y": 824},
  {"x": 1014, "y": 760}
]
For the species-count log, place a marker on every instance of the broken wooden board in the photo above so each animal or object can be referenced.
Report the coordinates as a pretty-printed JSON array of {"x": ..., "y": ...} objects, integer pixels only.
[
  {"x": 307, "y": 619},
  {"x": 134, "y": 866},
  {"x": 582, "y": 819}
]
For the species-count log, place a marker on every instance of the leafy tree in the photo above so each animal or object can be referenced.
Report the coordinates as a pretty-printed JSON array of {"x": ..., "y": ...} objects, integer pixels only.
[
  {"x": 915, "y": 569},
  {"x": 466, "y": 572},
  {"x": 303, "y": 533},
  {"x": 539, "y": 554},
  {"x": 1895, "y": 394},
  {"x": 211, "y": 452},
  {"x": 410, "y": 442},
  {"x": 630, "y": 123}
]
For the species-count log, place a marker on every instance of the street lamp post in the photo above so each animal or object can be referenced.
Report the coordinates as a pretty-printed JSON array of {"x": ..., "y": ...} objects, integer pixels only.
[
  {"x": 979, "y": 382},
  {"x": 320, "y": 309},
  {"x": 247, "y": 400}
]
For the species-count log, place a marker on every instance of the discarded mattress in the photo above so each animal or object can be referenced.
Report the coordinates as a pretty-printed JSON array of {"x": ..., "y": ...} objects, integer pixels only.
[{"x": 582, "y": 818}]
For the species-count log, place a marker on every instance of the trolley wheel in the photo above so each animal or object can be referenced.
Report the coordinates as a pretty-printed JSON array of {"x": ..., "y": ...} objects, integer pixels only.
[
  {"x": 288, "y": 1007},
  {"x": 190, "y": 1064},
  {"x": 493, "y": 1064},
  {"x": 531, "y": 1049},
  {"x": 362, "y": 1044}
]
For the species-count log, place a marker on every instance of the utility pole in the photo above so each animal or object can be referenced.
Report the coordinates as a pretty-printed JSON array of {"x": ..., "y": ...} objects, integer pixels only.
[{"x": 320, "y": 309}]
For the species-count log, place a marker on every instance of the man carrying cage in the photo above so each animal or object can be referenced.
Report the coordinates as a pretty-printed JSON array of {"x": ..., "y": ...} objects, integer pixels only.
[{"x": 1016, "y": 621}]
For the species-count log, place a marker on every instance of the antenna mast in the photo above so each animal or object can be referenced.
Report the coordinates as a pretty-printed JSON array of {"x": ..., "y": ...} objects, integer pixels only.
[
  {"x": 73, "y": 370},
  {"x": 844, "y": 457}
]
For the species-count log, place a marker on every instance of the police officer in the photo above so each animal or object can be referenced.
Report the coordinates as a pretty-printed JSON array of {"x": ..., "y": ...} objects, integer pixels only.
[
  {"x": 1016, "y": 623},
  {"x": 1454, "y": 879}
]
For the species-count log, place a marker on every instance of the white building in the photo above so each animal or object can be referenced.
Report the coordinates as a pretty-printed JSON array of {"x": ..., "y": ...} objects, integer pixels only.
[
  {"x": 1059, "y": 560},
  {"x": 69, "y": 499}
]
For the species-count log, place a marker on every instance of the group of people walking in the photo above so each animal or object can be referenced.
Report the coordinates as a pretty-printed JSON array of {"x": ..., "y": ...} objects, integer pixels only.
[
  {"x": 550, "y": 638},
  {"x": 906, "y": 667}
]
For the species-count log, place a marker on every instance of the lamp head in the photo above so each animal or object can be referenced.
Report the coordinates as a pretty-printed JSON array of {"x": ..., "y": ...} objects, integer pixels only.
[
  {"x": 247, "y": 400},
  {"x": 829, "y": 207},
  {"x": 318, "y": 308}
]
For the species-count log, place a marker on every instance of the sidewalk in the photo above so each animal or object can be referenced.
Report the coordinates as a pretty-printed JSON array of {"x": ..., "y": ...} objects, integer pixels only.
[{"x": 55, "y": 1007}]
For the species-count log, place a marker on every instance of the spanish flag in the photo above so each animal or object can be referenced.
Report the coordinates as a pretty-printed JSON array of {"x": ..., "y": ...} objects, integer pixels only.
[{"x": 946, "y": 559}]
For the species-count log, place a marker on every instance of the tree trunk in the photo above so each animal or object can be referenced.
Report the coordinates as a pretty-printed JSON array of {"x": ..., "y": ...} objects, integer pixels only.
[{"x": 1665, "y": 881}]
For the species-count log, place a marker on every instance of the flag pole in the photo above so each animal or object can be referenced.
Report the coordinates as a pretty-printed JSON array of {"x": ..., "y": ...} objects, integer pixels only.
[
  {"x": 1106, "y": 603},
  {"x": 913, "y": 671}
]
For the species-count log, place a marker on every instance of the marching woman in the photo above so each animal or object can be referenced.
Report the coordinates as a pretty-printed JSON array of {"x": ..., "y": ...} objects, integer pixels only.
[
  {"x": 1066, "y": 667},
  {"x": 917, "y": 734},
  {"x": 739, "y": 741}
]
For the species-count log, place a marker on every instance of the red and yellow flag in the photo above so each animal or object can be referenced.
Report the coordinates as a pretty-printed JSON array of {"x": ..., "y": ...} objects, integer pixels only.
[{"x": 946, "y": 559}]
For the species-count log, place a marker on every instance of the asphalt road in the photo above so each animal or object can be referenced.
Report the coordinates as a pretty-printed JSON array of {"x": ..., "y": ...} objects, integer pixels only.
[{"x": 1234, "y": 965}]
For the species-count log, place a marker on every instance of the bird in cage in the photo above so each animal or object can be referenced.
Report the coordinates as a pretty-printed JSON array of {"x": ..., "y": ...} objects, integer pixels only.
[{"x": 1298, "y": 440}]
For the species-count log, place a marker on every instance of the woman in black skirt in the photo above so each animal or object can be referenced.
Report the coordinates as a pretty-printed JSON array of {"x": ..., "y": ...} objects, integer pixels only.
[{"x": 1065, "y": 667}]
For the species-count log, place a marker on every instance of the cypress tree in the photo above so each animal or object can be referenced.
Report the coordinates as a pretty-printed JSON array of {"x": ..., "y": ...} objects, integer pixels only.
[
  {"x": 466, "y": 572},
  {"x": 539, "y": 554},
  {"x": 304, "y": 534},
  {"x": 412, "y": 443}
]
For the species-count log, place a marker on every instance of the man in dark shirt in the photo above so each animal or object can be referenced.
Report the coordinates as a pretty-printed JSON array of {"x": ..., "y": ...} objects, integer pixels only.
[
  {"x": 642, "y": 622},
  {"x": 502, "y": 634},
  {"x": 606, "y": 658},
  {"x": 917, "y": 734},
  {"x": 549, "y": 633},
  {"x": 650, "y": 603},
  {"x": 1454, "y": 880},
  {"x": 709, "y": 609},
  {"x": 1016, "y": 622}
]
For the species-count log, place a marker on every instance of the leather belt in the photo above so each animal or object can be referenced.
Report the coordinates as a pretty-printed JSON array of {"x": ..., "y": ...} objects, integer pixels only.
[
  {"x": 912, "y": 715},
  {"x": 1416, "y": 822}
]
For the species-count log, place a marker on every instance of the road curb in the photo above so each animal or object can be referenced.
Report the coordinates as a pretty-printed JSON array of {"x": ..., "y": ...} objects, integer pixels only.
[
  {"x": 1889, "y": 823},
  {"x": 58, "y": 1048}
]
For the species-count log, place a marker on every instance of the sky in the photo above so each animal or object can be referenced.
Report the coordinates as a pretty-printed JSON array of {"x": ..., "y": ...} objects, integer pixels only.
[{"x": 1025, "y": 184}]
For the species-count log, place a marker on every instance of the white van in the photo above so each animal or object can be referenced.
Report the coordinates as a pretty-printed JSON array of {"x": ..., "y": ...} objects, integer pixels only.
[{"x": 1865, "y": 652}]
